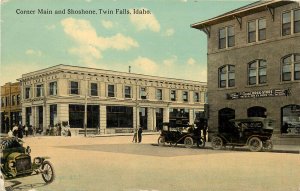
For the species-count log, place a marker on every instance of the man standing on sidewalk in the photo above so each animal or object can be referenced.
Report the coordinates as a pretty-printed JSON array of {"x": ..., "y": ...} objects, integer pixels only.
[{"x": 140, "y": 131}]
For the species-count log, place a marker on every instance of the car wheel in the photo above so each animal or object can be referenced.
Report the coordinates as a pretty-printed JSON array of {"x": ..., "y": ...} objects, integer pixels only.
[
  {"x": 173, "y": 144},
  {"x": 200, "y": 143},
  {"x": 161, "y": 141},
  {"x": 48, "y": 173},
  {"x": 188, "y": 142},
  {"x": 268, "y": 145},
  {"x": 217, "y": 143},
  {"x": 255, "y": 144}
]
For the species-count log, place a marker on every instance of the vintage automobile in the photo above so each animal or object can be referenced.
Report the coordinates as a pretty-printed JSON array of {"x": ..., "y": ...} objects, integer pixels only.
[
  {"x": 254, "y": 132},
  {"x": 16, "y": 161},
  {"x": 180, "y": 133}
]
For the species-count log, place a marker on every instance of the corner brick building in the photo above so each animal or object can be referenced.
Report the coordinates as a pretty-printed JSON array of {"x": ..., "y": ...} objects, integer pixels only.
[{"x": 254, "y": 66}]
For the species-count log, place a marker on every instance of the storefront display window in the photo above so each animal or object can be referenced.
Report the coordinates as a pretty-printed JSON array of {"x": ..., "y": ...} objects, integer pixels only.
[
  {"x": 119, "y": 117},
  {"x": 290, "y": 120}
]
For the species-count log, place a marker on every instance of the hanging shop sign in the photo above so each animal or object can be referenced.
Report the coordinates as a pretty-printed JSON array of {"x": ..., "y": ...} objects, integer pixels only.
[{"x": 259, "y": 94}]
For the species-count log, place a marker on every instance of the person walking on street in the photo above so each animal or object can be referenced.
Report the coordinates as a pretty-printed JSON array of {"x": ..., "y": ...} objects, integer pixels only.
[
  {"x": 26, "y": 130},
  {"x": 134, "y": 138},
  {"x": 140, "y": 131}
]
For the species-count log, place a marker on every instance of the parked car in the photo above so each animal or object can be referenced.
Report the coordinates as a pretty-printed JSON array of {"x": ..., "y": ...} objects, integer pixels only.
[
  {"x": 174, "y": 134},
  {"x": 16, "y": 161},
  {"x": 254, "y": 132}
]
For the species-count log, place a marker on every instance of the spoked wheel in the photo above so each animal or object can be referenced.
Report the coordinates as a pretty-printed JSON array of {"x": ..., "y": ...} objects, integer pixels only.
[
  {"x": 188, "y": 142},
  {"x": 48, "y": 173},
  {"x": 161, "y": 141},
  {"x": 200, "y": 143},
  {"x": 268, "y": 145},
  {"x": 255, "y": 144},
  {"x": 216, "y": 143}
]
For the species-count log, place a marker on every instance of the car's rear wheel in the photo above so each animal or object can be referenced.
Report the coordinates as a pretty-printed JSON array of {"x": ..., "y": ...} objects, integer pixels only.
[
  {"x": 217, "y": 143},
  {"x": 188, "y": 142},
  {"x": 268, "y": 145},
  {"x": 255, "y": 144},
  {"x": 48, "y": 173},
  {"x": 161, "y": 141}
]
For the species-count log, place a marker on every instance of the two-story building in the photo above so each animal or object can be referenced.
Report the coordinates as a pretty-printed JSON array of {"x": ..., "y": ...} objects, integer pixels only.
[
  {"x": 10, "y": 105},
  {"x": 254, "y": 66},
  {"x": 109, "y": 100}
]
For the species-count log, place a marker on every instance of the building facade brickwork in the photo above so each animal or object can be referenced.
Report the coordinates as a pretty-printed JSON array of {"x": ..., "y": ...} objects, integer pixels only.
[{"x": 254, "y": 65}]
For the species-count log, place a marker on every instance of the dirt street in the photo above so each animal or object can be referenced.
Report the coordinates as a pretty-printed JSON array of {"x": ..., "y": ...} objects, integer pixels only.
[{"x": 117, "y": 164}]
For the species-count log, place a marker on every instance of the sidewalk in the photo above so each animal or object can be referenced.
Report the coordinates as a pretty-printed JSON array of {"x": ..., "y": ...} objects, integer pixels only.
[{"x": 276, "y": 148}]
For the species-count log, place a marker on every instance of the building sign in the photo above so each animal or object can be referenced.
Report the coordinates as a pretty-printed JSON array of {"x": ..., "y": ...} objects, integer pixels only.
[{"x": 259, "y": 94}]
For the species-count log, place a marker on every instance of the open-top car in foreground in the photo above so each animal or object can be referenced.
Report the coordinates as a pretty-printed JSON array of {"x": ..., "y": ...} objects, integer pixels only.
[
  {"x": 254, "y": 132},
  {"x": 16, "y": 161}
]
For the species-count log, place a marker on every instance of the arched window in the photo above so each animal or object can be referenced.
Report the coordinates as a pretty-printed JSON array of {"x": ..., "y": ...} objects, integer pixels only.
[
  {"x": 290, "y": 119},
  {"x": 225, "y": 115},
  {"x": 257, "y": 111},
  {"x": 290, "y": 68},
  {"x": 227, "y": 76},
  {"x": 257, "y": 72}
]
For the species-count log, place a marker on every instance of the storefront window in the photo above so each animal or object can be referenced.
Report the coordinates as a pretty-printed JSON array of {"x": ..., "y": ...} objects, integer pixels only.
[
  {"x": 290, "y": 120},
  {"x": 76, "y": 116},
  {"x": 159, "y": 118},
  {"x": 257, "y": 112},
  {"x": 119, "y": 117},
  {"x": 53, "y": 115}
]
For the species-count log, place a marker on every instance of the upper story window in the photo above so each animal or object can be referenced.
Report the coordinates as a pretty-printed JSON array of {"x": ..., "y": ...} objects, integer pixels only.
[
  {"x": 27, "y": 92},
  {"x": 257, "y": 72},
  {"x": 226, "y": 37},
  {"x": 196, "y": 97},
  {"x": 74, "y": 87},
  {"x": 7, "y": 101},
  {"x": 53, "y": 88},
  {"x": 110, "y": 90},
  {"x": 291, "y": 68},
  {"x": 127, "y": 91},
  {"x": 143, "y": 94},
  {"x": 290, "y": 22},
  {"x": 2, "y": 102},
  {"x": 227, "y": 76},
  {"x": 94, "y": 89},
  {"x": 173, "y": 95},
  {"x": 256, "y": 30},
  {"x": 185, "y": 96},
  {"x": 18, "y": 99},
  {"x": 159, "y": 94},
  {"x": 39, "y": 90},
  {"x": 13, "y": 98}
]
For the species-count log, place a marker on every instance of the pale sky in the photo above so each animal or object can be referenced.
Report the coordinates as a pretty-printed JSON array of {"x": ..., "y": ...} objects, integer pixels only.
[{"x": 161, "y": 43}]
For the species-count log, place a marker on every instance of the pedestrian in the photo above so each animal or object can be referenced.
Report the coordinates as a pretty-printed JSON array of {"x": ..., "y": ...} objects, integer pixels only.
[
  {"x": 26, "y": 130},
  {"x": 134, "y": 138},
  {"x": 20, "y": 132},
  {"x": 15, "y": 130},
  {"x": 140, "y": 131}
]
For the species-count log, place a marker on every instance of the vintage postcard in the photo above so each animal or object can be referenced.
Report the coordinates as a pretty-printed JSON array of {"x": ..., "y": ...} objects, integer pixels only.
[{"x": 150, "y": 95}]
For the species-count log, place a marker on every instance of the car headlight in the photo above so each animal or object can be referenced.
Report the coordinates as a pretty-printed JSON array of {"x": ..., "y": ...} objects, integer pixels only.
[
  {"x": 11, "y": 164},
  {"x": 37, "y": 160}
]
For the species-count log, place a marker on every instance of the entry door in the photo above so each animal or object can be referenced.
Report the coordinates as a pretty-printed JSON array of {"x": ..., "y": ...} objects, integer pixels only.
[{"x": 225, "y": 115}]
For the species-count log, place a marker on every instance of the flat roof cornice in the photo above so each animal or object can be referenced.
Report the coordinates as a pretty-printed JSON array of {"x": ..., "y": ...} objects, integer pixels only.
[{"x": 241, "y": 12}]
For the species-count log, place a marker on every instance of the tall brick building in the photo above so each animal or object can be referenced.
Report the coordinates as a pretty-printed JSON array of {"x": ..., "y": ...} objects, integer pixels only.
[
  {"x": 10, "y": 105},
  {"x": 254, "y": 66}
]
